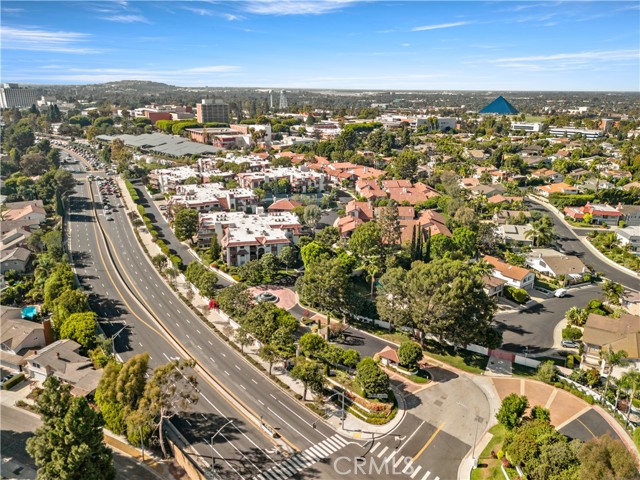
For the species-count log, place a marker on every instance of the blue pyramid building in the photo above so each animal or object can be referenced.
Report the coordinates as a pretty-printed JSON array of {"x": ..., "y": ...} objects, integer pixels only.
[{"x": 500, "y": 106}]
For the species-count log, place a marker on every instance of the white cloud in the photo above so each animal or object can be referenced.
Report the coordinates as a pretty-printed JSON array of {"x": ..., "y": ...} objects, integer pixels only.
[
  {"x": 595, "y": 55},
  {"x": 9, "y": 11},
  {"x": 293, "y": 7},
  {"x": 567, "y": 61},
  {"x": 36, "y": 39},
  {"x": 126, "y": 19},
  {"x": 203, "y": 12},
  {"x": 231, "y": 17},
  {"x": 406, "y": 44},
  {"x": 438, "y": 26}
]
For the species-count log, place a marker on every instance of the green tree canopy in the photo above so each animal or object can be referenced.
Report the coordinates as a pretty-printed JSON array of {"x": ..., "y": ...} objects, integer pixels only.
[
  {"x": 511, "y": 410},
  {"x": 410, "y": 353},
  {"x": 371, "y": 378},
  {"x": 186, "y": 224},
  {"x": 80, "y": 327},
  {"x": 70, "y": 443}
]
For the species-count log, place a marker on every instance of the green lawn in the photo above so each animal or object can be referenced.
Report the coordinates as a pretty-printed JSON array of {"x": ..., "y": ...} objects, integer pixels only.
[
  {"x": 489, "y": 468},
  {"x": 464, "y": 360}
]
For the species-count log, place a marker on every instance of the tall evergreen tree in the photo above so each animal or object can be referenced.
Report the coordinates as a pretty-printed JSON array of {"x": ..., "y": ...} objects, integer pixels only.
[{"x": 70, "y": 443}]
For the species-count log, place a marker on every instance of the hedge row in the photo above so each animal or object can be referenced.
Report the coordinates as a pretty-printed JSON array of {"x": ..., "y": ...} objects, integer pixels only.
[{"x": 14, "y": 381}]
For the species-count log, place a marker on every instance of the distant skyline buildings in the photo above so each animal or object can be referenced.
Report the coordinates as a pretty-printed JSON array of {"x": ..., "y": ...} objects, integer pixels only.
[{"x": 332, "y": 44}]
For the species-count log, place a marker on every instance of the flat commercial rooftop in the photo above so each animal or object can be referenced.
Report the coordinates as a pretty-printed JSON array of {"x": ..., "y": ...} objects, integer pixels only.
[{"x": 163, "y": 143}]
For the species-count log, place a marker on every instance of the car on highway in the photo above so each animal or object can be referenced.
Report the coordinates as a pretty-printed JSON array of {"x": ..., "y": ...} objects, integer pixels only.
[
  {"x": 266, "y": 297},
  {"x": 570, "y": 344}
]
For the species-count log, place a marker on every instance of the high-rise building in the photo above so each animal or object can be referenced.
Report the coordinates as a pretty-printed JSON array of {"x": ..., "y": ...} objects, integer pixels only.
[
  {"x": 283, "y": 100},
  {"x": 271, "y": 100},
  {"x": 12, "y": 96},
  {"x": 212, "y": 110}
]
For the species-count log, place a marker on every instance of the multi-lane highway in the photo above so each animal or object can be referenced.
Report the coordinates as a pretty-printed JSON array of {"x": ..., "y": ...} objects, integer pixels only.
[
  {"x": 126, "y": 288},
  {"x": 238, "y": 446}
]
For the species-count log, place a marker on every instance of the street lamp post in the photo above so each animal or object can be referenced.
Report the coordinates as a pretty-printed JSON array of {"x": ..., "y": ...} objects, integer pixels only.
[
  {"x": 213, "y": 453},
  {"x": 113, "y": 343}
]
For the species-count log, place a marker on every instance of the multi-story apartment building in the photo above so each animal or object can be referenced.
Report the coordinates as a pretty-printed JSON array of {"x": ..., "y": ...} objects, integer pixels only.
[
  {"x": 246, "y": 237},
  {"x": 13, "y": 96},
  {"x": 167, "y": 179},
  {"x": 215, "y": 197},
  {"x": 301, "y": 179}
]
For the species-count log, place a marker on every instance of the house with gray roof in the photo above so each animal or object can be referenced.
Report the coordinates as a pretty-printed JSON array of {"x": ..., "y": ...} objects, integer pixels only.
[
  {"x": 63, "y": 360},
  {"x": 558, "y": 265},
  {"x": 18, "y": 338}
]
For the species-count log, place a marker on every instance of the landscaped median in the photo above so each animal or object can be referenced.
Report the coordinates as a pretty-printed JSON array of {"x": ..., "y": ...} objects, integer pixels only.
[{"x": 371, "y": 410}]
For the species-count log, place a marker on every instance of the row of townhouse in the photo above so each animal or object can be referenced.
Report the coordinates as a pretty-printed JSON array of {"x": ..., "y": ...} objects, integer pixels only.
[{"x": 19, "y": 219}]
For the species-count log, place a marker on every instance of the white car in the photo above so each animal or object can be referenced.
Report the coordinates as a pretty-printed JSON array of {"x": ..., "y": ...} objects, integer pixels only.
[{"x": 561, "y": 292}]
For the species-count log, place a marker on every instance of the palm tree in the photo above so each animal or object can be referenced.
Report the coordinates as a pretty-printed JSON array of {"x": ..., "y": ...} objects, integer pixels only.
[
  {"x": 541, "y": 232},
  {"x": 482, "y": 268},
  {"x": 609, "y": 240},
  {"x": 630, "y": 381},
  {"x": 612, "y": 359},
  {"x": 372, "y": 269},
  {"x": 612, "y": 292}
]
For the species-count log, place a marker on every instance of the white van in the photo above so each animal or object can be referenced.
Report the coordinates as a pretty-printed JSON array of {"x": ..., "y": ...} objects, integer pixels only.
[{"x": 561, "y": 292}]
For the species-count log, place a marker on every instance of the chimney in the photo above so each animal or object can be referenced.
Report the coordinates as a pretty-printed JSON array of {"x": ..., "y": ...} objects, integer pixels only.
[{"x": 48, "y": 333}]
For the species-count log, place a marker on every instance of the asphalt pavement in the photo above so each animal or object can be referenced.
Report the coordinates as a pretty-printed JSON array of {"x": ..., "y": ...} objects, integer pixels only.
[
  {"x": 531, "y": 330},
  {"x": 119, "y": 312},
  {"x": 568, "y": 242}
]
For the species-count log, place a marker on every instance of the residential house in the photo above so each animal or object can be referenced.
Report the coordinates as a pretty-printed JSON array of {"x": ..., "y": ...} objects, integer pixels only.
[
  {"x": 594, "y": 185},
  {"x": 488, "y": 190},
  {"x": 18, "y": 338},
  {"x": 548, "y": 175},
  {"x": 558, "y": 265},
  {"x": 629, "y": 236},
  {"x": 498, "y": 199},
  {"x": 514, "y": 276},
  {"x": 603, "y": 333},
  {"x": 63, "y": 360},
  {"x": 246, "y": 237},
  {"x": 511, "y": 217},
  {"x": 16, "y": 237},
  {"x": 630, "y": 214},
  {"x": 631, "y": 186},
  {"x": 516, "y": 234},
  {"x": 31, "y": 211},
  {"x": 14, "y": 259},
  {"x": 600, "y": 213},
  {"x": 563, "y": 188},
  {"x": 493, "y": 286}
]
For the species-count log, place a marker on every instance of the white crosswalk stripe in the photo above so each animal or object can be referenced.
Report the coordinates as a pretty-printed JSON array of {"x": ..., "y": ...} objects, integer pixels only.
[
  {"x": 375, "y": 447},
  {"x": 305, "y": 459},
  {"x": 415, "y": 472}
]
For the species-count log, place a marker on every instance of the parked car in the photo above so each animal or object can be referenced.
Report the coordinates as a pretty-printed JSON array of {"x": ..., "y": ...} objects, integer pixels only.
[
  {"x": 570, "y": 344},
  {"x": 561, "y": 292},
  {"x": 6, "y": 379}
]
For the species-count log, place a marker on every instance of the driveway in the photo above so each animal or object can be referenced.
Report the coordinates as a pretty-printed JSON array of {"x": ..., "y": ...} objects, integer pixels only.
[{"x": 533, "y": 328}]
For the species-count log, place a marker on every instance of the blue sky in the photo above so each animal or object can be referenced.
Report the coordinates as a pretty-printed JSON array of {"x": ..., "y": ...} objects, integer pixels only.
[{"x": 497, "y": 45}]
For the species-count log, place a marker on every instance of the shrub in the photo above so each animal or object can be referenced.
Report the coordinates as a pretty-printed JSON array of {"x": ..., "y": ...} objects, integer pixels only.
[
  {"x": 546, "y": 372},
  {"x": 571, "y": 333},
  {"x": 176, "y": 261},
  {"x": 518, "y": 295},
  {"x": 13, "y": 382},
  {"x": 512, "y": 409}
]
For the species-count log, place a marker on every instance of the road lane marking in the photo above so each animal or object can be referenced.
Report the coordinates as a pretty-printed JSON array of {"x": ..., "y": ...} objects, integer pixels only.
[
  {"x": 254, "y": 381},
  {"x": 426, "y": 445},
  {"x": 283, "y": 421},
  {"x": 237, "y": 367},
  {"x": 415, "y": 472},
  {"x": 243, "y": 387},
  {"x": 226, "y": 372},
  {"x": 261, "y": 402},
  {"x": 210, "y": 358},
  {"x": 382, "y": 452}
]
